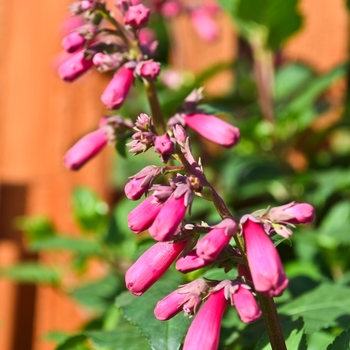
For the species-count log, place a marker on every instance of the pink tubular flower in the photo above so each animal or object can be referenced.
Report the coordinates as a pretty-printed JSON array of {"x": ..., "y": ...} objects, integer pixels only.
[
  {"x": 187, "y": 297},
  {"x": 264, "y": 262},
  {"x": 204, "y": 332},
  {"x": 151, "y": 266},
  {"x": 72, "y": 42},
  {"x": 118, "y": 88},
  {"x": 246, "y": 305},
  {"x": 209, "y": 247},
  {"x": 213, "y": 129},
  {"x": 85, "y": 149},
  {"x": 134, "y": 189},
  {"x": 169, "y": 306},
  {"x": 204, "y": 24},
  {"x": 294, "y": 213},
  {"x": 168, "y": 219},
  {"x": 74, "y": 66},
  {"x": 141, "y": 182},
  {"x": 142, "y": 217},
  {"x": 191, "y": 262},
  {"x": 137, "y": 16}
]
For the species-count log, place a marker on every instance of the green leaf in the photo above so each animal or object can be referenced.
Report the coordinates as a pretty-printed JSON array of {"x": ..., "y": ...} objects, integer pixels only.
[
  {"x": 118, "y": 234},
  {"x": 290, "y": 78},
  {"x": 319, "y": 340},
  {"x": 324, "y": 306},
  {"x": 32, "y": 273},
  {"x": 75, "y": 245},
  {"x": 100, "y": 294},
  {"x": 335, "y": 225},
  {"x": 294, "y": 336},
  {"x": 120, "y": 146},
  {"x": 167, "y": 335},
  {"x": 312, "y": 90},
  {"x": 88, "y": 209},
  {"x": 279, "y": 19},
  {"x": 35, "y": 227},
  {"x": 75, "y": 342},
  {"x": 342, "y": 342},
  {"x": 124, "y": 337}
]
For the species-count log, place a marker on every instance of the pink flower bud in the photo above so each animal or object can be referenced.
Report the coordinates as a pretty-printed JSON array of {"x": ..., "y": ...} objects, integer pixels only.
[
  {"x": 246, "y": 305},
  {"x": 151, "y": 266},
  {"x": 213, "y": 129},
  {"x": 204, "y": 24},
  {"x": 85, "y": 149},
  {"x": 180, "y": 134},
  {"x": 118, "y": 88},
  {"x": 141, "y": 182},
  {"x": 150, "y": 69},
  {"x": 209, "y": 247},
  {"x": 294, "y": 213},
  {"x": 170, "y": 8},
  {"x": 264, "y": 262},
  {"x": 72, "y": 42},
  {"x": 169, "y": 218},
  {"x": 164, "y": 146},
  {"x": 204, "y": 332},
  {"x": 191, "y": 262},
  {"x": 74, "y": 66},
  {"x": 142, "y": 217},
  {"x": 169, "y": 306},
  {"x": 134, "y": 189},
  {"x": 137, "y": 16}
]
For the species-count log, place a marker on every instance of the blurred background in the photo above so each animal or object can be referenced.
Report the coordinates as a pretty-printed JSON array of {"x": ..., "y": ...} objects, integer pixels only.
[{"x": 42, "y": 116}]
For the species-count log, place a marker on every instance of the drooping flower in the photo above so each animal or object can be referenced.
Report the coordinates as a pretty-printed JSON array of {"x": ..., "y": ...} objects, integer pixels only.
[
  {"x": 137, "y": 16},
  {"x": 294, "y": 213},
  {"x": 151, "y": 266},
  {"x": 118, "y": 88},
  {"x": 72, "y": 42},
  {"x": 142, "y": 217},
  {"x": 191, "y": 262},
  {"x": 241, "y": 296},
  {"x": 171, "y": 215},
  {"x": 187, "y": 297},
  {"x": 85, "y": 149},
  {"x": 264, "y": 262},
  {"x": 204, "y": 332},
  {"x": 213, "y": 129},
  {"x": 211, "y": 245},
  {"x": 141, "y": 182},
  {"x": 246, "y": 305},
  {"x": 74, "y": 66}
]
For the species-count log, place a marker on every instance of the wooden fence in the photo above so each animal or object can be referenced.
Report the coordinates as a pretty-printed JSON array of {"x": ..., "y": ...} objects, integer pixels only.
[{"x": 41, "y": 116}]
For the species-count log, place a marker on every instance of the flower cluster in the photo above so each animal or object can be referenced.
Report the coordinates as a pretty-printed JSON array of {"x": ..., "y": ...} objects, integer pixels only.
[{"x": 169, "y": 190}]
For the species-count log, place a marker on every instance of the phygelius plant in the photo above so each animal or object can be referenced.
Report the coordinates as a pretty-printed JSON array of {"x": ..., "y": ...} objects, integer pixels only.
[{"x": 170, "y": 189}]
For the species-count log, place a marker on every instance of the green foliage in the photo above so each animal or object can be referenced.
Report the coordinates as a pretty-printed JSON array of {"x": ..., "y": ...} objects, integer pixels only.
[
  {"x": 139, "y": 311},
  {"x": 325, "y": 306},
  {"x": 36, "y": 228},
  {"x": 98, "y": 295},
  {"x": 342, "y": 342},
  {"x": 294, "y": 336},
  {"x": 276, "y": 20},
  {"x": 88, "y": 210},
  {"x": 32, "y": 273}
]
